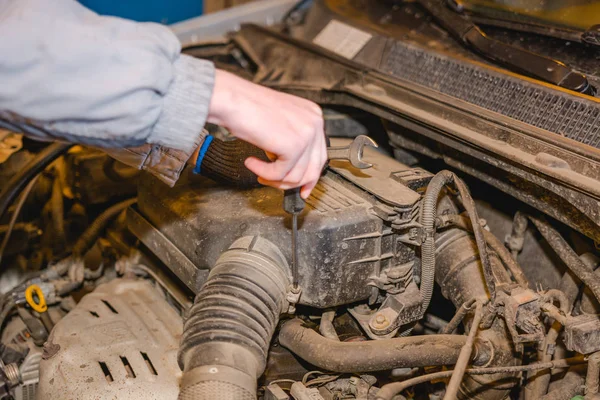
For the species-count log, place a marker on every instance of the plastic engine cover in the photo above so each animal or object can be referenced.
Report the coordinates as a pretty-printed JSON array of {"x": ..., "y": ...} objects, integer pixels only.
[
  {"x": 120, "y": 342},
  {"x": 346, "y": 234}
]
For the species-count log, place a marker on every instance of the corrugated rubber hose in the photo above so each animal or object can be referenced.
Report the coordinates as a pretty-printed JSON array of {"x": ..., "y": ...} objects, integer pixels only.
[{"x": 228, "y": 331}]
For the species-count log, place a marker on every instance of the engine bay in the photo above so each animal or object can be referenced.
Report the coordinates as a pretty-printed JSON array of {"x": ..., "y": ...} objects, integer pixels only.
[{"x": 461, "y": 265}]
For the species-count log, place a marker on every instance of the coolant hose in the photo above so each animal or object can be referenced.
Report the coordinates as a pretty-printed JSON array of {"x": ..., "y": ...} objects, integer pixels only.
[
  {"x": 12, "y": 188},
  {"x": 228, "y": 331},
  {"x": 375, "y": 355},
  {"x": 92, "y": 232}
]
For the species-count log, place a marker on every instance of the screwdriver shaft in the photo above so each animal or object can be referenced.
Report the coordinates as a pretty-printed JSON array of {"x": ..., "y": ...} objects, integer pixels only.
[{"x": 295, "y": 250}]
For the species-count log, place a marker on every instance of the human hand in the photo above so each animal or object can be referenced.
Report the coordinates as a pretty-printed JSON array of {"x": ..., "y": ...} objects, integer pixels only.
[{"x": 288, "y": 128}]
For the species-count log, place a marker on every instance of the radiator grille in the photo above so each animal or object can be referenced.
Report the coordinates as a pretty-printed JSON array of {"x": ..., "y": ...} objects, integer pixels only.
[{"x": 555, "y": 111}]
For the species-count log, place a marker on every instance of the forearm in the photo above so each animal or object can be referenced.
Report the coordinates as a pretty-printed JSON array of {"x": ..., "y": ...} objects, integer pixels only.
[{"x": 73, "y": 75}]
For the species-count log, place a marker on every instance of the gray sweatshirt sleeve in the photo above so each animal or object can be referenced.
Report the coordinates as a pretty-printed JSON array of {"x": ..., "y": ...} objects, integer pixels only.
[{"x": 70, "y": 74}]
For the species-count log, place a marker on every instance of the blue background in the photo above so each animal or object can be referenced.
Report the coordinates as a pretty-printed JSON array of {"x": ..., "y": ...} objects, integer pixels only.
[{"x": 163, "y": 11}]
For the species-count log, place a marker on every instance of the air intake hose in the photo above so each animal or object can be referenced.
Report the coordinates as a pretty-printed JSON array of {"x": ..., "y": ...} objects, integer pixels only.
[{"x": 229, "y": 328}]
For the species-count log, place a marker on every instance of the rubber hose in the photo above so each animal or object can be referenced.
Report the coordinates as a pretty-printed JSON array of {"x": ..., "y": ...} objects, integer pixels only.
[
  {"x": 57, "y": 211},
  {"x": 91, "y": 234},
  {"x": 326, "y": 327},
  {"x": 17, "y": 183},
  {"x": 589, "y": 304},
  {"x": 374, "y": 355},
  {"x": 592, "y": 379},
  {"x": 568, "y": 387},
  {"x": 227, "y": 334},
  {"x": 568, "y": 255}
]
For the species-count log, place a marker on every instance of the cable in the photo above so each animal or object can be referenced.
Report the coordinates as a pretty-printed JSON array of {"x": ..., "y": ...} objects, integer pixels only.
[
  {"x": 458, "y": 317},
  {"x": 90, "y": 235},
  {"x": 567, "y": 255},
  {"x": 17, "y": 183},
  {"x": 469, "y": 205},
  {"x": 465, "y": 355},
  {"x": 387, "y": 392},
  {"x": 15, "y": 215}
]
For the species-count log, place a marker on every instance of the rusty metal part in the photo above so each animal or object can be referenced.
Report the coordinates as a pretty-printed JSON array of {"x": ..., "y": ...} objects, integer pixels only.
[
  {"x": 353, "y": 152},
  {"x": 375, "y": 355},
  {"x": 589, "y": 304}
]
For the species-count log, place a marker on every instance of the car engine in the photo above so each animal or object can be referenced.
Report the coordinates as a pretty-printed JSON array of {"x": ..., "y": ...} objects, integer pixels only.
[{"x": 461, "y": 265}]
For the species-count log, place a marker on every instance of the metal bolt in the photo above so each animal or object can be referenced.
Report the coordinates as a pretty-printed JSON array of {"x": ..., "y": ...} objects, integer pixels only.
[
  {"x": 380, "y": 322},
  {"x": 412, "y": 233}
]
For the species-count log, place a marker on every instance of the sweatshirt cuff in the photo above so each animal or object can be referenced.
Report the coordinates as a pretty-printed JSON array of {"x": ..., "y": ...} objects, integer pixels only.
[{"x": 185, "y": 106}]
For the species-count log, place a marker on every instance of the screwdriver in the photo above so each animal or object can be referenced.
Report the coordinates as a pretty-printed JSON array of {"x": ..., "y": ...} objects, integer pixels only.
[{"x": 293, "y": 204}]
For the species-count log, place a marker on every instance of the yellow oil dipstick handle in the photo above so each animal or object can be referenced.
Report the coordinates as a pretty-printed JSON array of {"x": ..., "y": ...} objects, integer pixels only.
[{"x": 34, "y": 290}]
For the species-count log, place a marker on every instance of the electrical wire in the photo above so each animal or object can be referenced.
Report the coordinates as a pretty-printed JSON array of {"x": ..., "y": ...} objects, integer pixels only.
[
  {"x": 387, "y": 392},
  {"x": 567, "y": 254},
  {"x": 309, "y": 373},
  {"x": 464, "y": 356},
  {"x": 15, "y": 215},
  {"x": 458, "y": 317},
  {"x": 276, "y": 381},
  {"x": 16, "y": 184}
]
